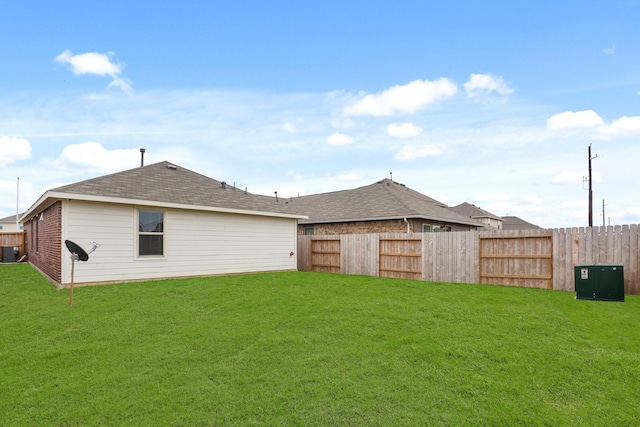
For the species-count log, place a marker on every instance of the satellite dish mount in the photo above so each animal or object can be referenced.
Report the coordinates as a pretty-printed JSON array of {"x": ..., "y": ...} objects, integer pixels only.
[{"x": 77, "y": 254}]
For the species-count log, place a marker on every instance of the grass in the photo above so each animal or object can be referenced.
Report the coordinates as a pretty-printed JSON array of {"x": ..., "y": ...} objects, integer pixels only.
[{"x": 313, "y": 349}]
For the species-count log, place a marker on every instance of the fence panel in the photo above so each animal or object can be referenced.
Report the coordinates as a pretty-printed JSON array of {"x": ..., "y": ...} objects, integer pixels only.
[
  {"x": 304, "y": 253},
  {"x": 450, "y": 257},
  {"x": 359, "y": 254},
  {"x": 325, "y": 255},
  {"x": 517, "y": 258},
  {"x": 400, "y": 256}
]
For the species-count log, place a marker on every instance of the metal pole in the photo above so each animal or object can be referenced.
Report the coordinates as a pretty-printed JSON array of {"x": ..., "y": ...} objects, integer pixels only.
[
  {"x": 18, "y": 205},
  {"x": 590, "y": 192},
  {"x": 73, "y": 261}
]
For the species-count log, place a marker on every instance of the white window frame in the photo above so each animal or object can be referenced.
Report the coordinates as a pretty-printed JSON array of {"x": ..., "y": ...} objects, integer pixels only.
[{"x": 139, "y": 233}]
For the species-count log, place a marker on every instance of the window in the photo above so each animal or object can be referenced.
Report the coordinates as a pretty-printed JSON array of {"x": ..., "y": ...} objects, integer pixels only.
[
  {"x": 426, "y": 228},
  {"x": 436, "y": 228},
  {"x": 150, "y": 233},
  {"x": 308, "y": 231}
]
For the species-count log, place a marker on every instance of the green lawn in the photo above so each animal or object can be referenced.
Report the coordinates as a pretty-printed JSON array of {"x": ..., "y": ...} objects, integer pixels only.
[{"x": 313, "y": 349}]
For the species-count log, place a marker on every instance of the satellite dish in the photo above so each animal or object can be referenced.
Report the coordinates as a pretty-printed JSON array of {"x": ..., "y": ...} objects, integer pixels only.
[
  {"x": 77, "y": 253},
  {"x": 76, "y": 250}
]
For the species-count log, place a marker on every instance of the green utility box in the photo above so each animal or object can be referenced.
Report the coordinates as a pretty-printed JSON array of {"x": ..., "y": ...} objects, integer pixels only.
[{"x": 599, "y": 282}]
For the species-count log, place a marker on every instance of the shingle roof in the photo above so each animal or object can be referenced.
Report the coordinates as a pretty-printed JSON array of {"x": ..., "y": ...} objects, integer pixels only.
[
  {"x": 168, "y": 183},
  {"x": 384, "y": 199},
  {"x": 515, "y": 223},
  {"x": 472, "y": 211},
  {"x": 10, "y": 218}
]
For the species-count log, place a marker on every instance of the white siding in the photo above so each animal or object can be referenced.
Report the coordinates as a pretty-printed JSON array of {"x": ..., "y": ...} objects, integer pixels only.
[{"x": 196, "y": 243}]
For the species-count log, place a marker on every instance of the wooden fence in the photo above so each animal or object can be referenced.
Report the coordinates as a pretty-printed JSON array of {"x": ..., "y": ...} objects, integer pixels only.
[
  {"x": 14, "y": 239},
  {"x": 526, "y": 258}
]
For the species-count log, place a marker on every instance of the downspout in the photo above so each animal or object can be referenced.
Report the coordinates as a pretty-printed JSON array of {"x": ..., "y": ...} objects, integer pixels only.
[{"x": 408, "y": 226}]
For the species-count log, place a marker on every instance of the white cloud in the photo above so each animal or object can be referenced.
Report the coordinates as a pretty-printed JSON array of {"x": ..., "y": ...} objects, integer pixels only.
[
  {"x": 484, "y": 84},
  {"x": 295, "y": 175},
  {"x": 403, "y": 99},
  {"x": 624, "y": 126},
  {"x": 412, "y": 153},
  {"x": 633, "y": 211},
  {"x": 578, "y": 119},
  {"x": 289, "y": 127},
  {"x": 491, "y": 197},
  {"x": 349, "y": 177},
  {"x": 574, "y": 204},
  {"x": 405, "y": 130},
  {"x": 339, "y": 139},
  {"x": 567, "y": 177},
  {"x": 342, "y": 123},
  {"x": 93, "y": 156},
  {"x": 13, "y": 149},
  {"x": 534, "y": 200},
  {"x": 99, "y": 64},
  {"x": 123, "y": 84},
  {"x": 609, "y": 50}
]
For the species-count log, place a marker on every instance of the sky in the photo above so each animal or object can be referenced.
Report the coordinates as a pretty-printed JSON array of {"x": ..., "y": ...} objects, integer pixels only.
[{"x": 493, "y": 103}]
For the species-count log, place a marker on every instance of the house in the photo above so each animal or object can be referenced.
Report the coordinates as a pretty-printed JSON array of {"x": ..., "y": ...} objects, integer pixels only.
[
  {"x": 385, "y": 206},
  {"x": 472, "y": 211},
  {"x": 10, "y": 224},
  {"x": 158, "y": 221},
  {"x": 515, "y": 223}
]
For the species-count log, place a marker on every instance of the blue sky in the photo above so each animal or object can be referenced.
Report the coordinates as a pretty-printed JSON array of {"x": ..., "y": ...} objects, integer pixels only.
[{"x": 492, "y": 103}]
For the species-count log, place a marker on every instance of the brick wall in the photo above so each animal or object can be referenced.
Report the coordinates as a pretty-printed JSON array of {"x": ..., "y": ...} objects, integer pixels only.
[
  {"x": 368, "y": 227},
  {"x": 44, "y": 240}
]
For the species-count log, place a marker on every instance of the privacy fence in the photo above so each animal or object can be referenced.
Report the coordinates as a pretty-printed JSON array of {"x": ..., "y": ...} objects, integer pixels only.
[
  {"x": 13, "y": 240},
  {"x": 525, "y": 258}
]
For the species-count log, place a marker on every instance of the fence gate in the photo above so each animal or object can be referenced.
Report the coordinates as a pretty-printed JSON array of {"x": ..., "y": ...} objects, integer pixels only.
[
  {"x": 400, "y": 258},
  {"x": 325, "y": 255},
  {"x": 525, "y": 261}
]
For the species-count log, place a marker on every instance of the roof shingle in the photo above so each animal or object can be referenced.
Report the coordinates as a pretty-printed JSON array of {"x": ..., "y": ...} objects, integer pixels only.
[
  {"x": 168, "y": 183},
  {"x": 384, "y": 199}
]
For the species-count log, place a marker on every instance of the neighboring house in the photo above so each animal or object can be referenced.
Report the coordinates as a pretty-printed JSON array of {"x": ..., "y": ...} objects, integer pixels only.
[
  {"x": 10, "y": 225},
  {"x": 159, "y": 221},
  {"x": 515, "y": 223},
  {"x": 382, "y": 207},
  {"x": 472, "y": 211}
]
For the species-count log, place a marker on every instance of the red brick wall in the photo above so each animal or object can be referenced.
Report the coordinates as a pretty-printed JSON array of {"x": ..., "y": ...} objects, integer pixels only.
[
  {"x": 371, "y": 227},
  {"x": 44, "y": 240}
]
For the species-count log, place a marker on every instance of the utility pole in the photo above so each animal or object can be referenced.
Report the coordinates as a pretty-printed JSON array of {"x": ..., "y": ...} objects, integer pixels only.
[{"x": 590, "y": 189}]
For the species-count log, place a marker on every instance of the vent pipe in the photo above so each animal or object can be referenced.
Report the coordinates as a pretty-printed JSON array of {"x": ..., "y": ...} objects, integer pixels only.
[{"x": 142, "y": 151}]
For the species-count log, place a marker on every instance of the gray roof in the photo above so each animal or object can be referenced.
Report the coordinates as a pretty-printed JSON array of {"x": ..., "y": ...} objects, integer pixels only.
[
  {"x": 472, "y": 211},
  {"x": 384, "y": 199},
  {"x": 10, "y": 218},
  {"x": 168, "y": 183},
  {"x": 515, "y": 223}
]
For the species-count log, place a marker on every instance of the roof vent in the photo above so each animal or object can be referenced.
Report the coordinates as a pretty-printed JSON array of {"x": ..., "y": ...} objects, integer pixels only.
[
  {"x": 172, "y": 167},
  {"x": 223, "y": 185}
]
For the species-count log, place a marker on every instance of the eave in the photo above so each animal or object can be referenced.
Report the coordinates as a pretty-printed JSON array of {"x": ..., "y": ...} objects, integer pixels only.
[{"x": 50, "y": 197}]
